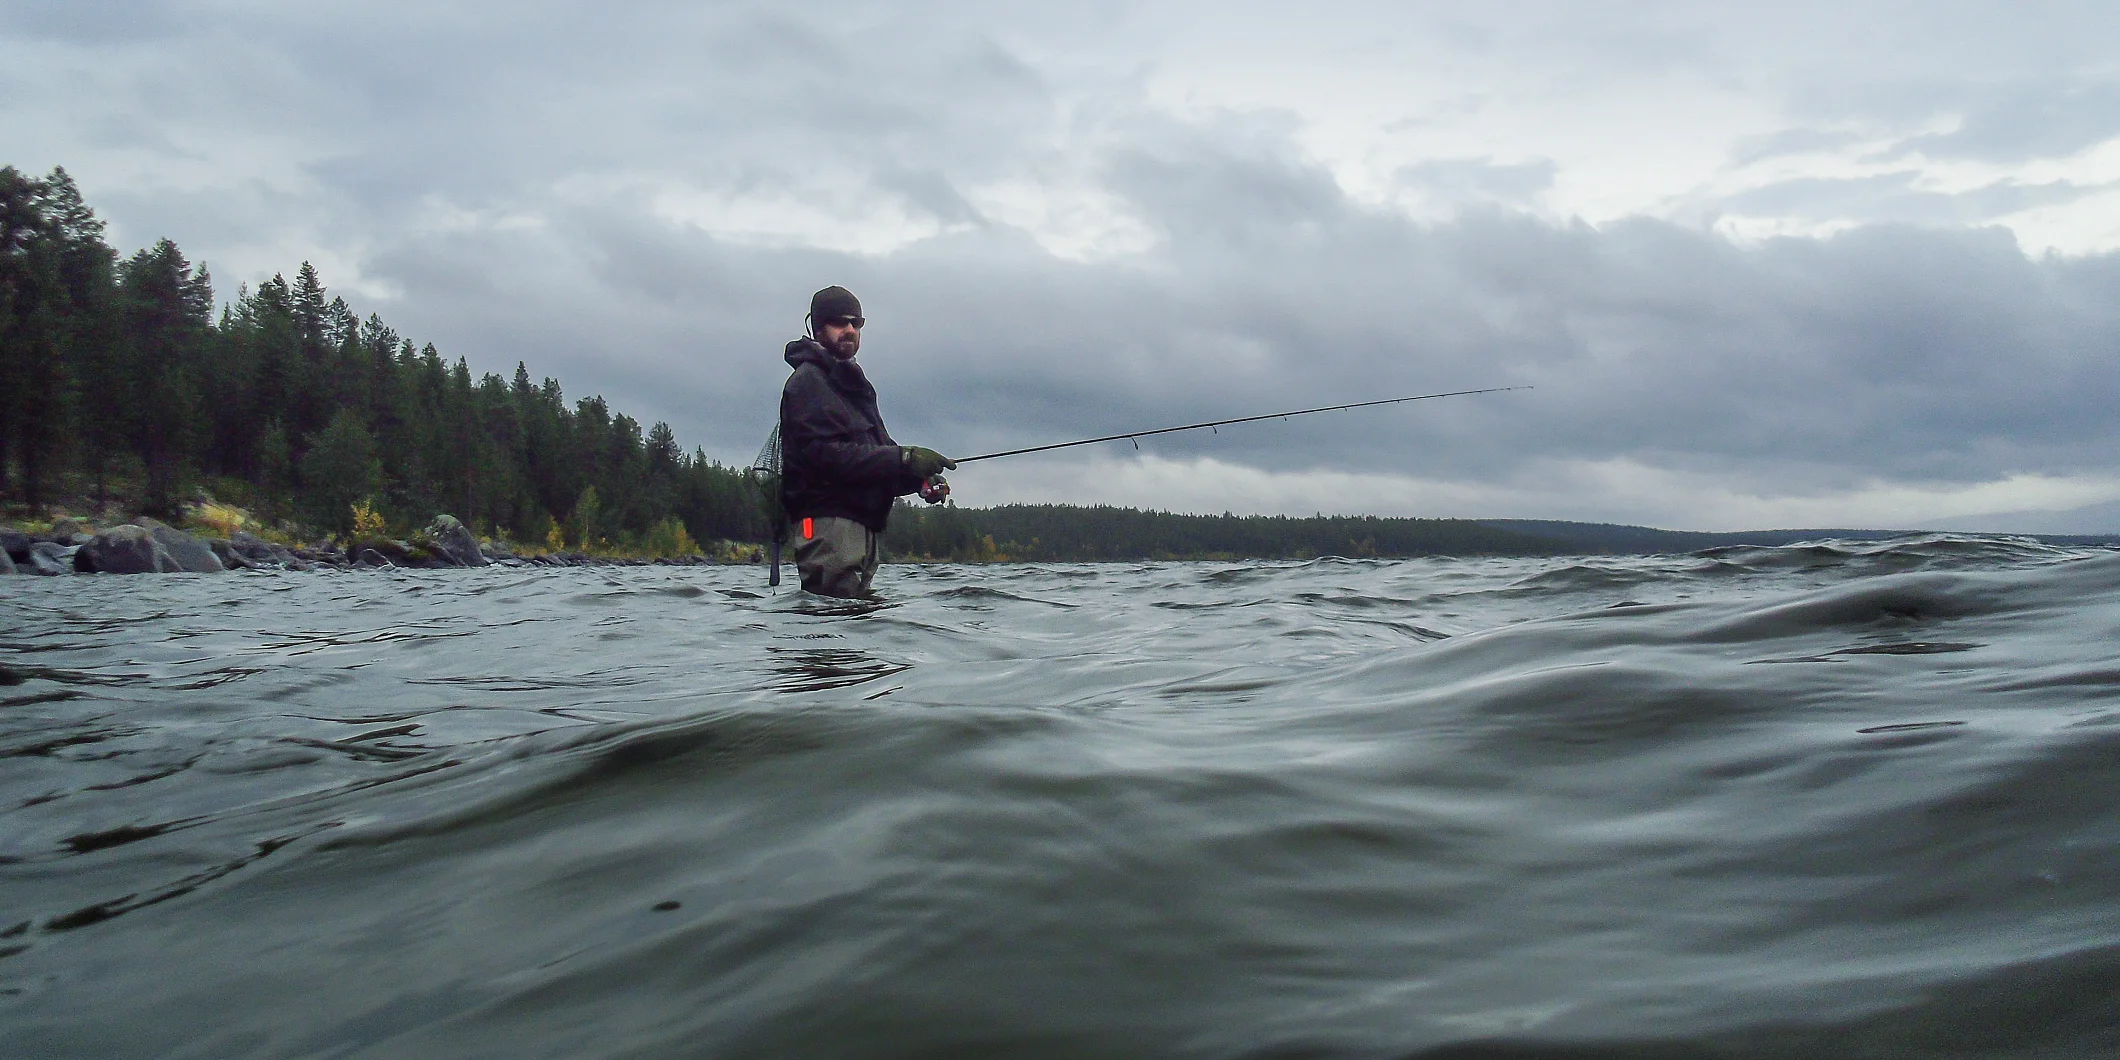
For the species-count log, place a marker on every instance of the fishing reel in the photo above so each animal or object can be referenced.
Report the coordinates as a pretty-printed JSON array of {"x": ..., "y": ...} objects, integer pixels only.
[{"x": 935, "y": 489}]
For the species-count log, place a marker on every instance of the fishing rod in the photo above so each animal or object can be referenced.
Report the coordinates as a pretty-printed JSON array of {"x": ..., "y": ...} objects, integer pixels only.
[
  {"x": 767, "y": 464},
  {"x": 1134, "y": 436}
]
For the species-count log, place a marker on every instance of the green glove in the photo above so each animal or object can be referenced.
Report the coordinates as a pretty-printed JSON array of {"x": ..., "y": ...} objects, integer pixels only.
[{"x": 925, "y": 463}]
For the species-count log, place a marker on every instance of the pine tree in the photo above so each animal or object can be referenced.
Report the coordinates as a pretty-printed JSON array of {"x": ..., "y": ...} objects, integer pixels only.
[
  {"x": 26, "y": 283},
  {"x": 87, "y": 339},
  {"x": 167, "y": 308},
  {"x": 340, "y": 470},
  {"x": 274, "y": 461},
  {"x": 310, "y": 367},
  {"x": 663, "y": 462}
]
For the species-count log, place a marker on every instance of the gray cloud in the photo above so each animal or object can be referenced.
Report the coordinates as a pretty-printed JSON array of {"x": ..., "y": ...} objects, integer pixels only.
[
  {"x": 1792, "y": 142},
  {"x": 501, "y": 180},
  {"x": 2036, "y": 120},
  {"x": 116, "y": 20},
  {"x": 1895, "y": 197},
  {"x": 1480, "y": 179}
]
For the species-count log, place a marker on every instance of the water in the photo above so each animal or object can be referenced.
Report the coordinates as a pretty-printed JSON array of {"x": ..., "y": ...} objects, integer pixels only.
[{"x": 1825, "y": 800}]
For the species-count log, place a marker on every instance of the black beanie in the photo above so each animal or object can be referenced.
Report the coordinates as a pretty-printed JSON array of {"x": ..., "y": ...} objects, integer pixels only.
[{"x": 834, "y": 303}]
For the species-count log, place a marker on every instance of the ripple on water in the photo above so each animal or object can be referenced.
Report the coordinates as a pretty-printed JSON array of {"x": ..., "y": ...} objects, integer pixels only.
[{"x": 1335, "y": 808}]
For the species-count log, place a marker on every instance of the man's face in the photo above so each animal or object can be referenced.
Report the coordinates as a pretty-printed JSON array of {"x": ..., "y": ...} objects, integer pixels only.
[{"x": 842, "y": 338}]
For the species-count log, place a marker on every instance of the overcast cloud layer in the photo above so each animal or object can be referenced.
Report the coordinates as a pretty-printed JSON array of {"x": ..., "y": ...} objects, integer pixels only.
[{"x": 1824, "y": 265}]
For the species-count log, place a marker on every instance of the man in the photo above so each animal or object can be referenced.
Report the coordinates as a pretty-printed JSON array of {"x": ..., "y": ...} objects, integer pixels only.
[{"x": 840, "y": 470}]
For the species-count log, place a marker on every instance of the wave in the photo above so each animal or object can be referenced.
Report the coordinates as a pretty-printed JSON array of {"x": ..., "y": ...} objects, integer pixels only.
[{"x": 1824, "y": 806}]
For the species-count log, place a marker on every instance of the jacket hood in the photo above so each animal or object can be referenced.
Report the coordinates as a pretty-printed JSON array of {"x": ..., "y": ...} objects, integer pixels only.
[
  {"x": 844, "y": 374},
  {"x": 807, "y": 351}
]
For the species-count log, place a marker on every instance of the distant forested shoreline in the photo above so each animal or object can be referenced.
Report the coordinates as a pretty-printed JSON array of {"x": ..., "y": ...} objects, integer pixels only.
[
  {"x": 1063, "y": 533},
  {"x": 1059, "y": 533}
]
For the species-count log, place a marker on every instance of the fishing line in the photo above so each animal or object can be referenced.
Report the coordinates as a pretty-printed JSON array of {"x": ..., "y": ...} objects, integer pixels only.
[{"x": 1136, "y": 436}]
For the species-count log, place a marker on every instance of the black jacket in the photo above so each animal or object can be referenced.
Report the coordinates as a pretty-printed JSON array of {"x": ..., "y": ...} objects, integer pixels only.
[{"x": 835, "y": 457}]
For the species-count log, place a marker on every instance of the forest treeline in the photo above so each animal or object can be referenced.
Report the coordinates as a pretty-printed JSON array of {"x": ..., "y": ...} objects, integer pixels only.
[
  {"x": 121, "y": 378},
  {"x": 1058, "y": 532}
]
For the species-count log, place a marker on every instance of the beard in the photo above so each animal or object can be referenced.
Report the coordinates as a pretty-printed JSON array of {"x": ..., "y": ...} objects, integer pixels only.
[{"x": 843, "y": 349}]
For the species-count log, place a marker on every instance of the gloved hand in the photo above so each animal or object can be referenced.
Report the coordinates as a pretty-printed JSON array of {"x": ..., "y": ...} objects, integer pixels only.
[
  {"x": 925, "y": 463},
  {"x": 935, "y": 490}
]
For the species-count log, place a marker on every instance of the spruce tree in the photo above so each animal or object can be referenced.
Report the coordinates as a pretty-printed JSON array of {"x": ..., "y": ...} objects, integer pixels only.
[
  {"x": 89, "y": 336},
  {"x": 167, "y": 310}
]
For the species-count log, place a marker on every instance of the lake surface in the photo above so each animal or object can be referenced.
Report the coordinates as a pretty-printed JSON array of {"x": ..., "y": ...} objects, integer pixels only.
[{"x": 1824, "y": 800}]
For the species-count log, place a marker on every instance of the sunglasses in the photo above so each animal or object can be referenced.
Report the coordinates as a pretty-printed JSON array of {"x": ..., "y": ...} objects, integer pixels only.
[{"x": 853, "y": 322}]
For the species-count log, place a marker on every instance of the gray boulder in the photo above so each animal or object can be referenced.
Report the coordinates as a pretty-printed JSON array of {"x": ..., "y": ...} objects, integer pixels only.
[
  {"x": 229, "y": 557},
  {"x": 124, "y": 549},
  {"x": 15, "y": 543},
  {"x": 190, "y": 553},
  {"x": 394, "y": 552},
  {"x": 50, "y": 559},
  {"x": 256, "y": 549},
  {"x": 456, "y": 541},
  {"x": 320, "y": 556},
  {"x": 7, "y": 562}
]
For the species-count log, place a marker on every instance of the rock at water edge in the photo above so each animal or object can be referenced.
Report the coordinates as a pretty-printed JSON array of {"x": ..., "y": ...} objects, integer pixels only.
[
  {"x": 456, "y": 541},
  {"x": 50, "y": 559},
  {"x": 124, "y": 549},
  {"x": 258, "y": 550},
  {"x": 226, "y": 553},
  {"x": 190, "y": 553},
  {"x": 7, "y": 562},
  {"x": 15, "y": 543}
]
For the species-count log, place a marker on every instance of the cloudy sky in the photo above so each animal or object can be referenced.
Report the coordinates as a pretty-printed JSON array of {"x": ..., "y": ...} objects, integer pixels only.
[{"x": 1800, "y": 264}]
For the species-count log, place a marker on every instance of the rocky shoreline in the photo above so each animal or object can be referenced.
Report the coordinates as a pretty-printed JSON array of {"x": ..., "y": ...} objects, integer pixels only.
[{"x": 148, "y": 546}]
